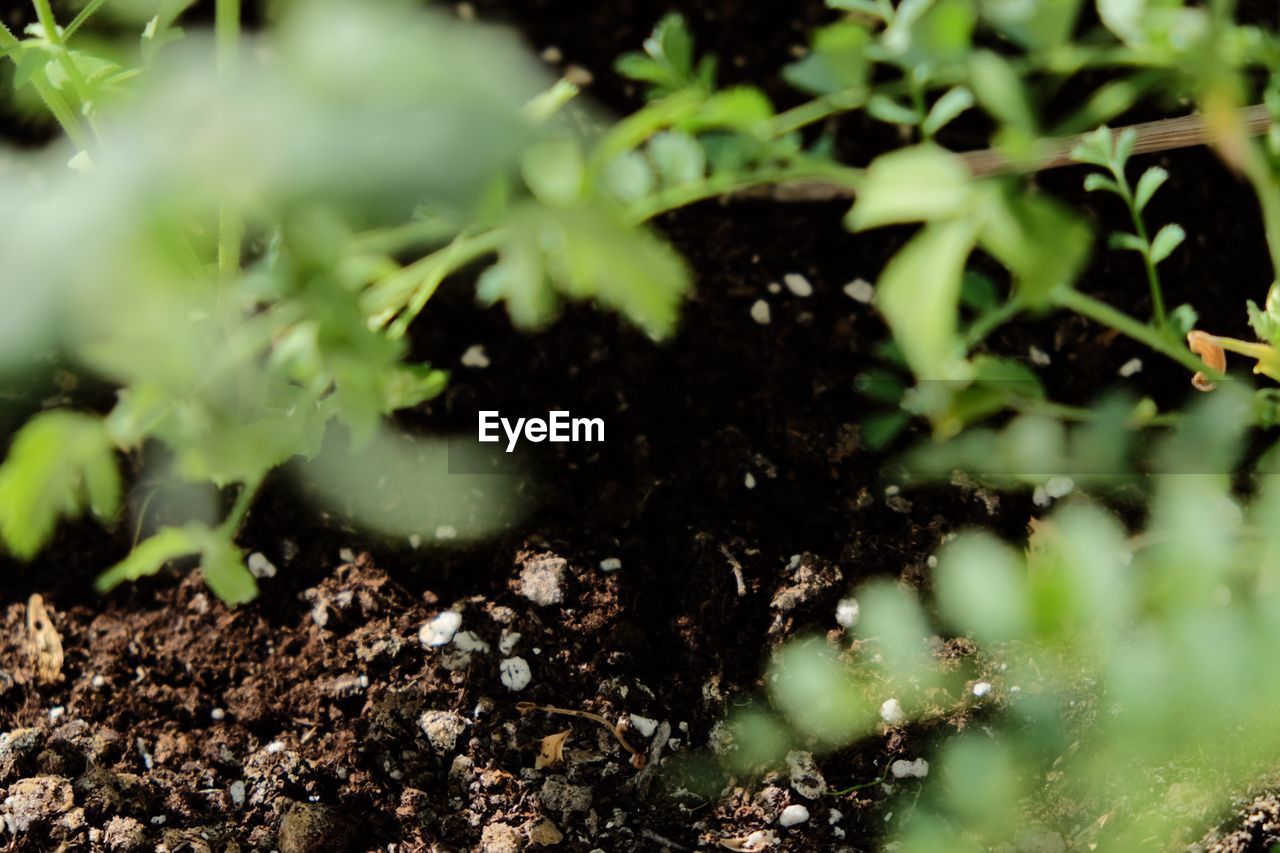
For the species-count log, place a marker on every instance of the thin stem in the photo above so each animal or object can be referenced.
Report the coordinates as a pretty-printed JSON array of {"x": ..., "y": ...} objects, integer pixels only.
[
  {"x": 227, "y": 35},
  {"x": 61, "y": 111},
  {"x": 1140, "y": 227},
  {"x": 1103, "y": 313},
  {"x": 78, "y": 21},
  {"x": 992, "y": 320},
  {"x": 240, "y": 509},
  {"x": 44, "y": 11},
  {"x": 724, "y": 184}
]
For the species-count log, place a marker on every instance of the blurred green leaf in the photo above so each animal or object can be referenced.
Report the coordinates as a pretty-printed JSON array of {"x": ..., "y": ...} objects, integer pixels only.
[
  {"x": 919, "y": 293},
  {"x": 982, "y": 589},
  {"x": 1166, "y": 240},
  {"x": 837, "y": 60},
  {"x": 1034, "y": 25},
  {"x": 678, "y": 157},
  {"x": 910, "y": 185},
  {"x": 999, "y": 89},
  {"x": 949, "y": 106},
  {"x": 1043, "y": 243},
  {"x": 60, "y": 463}
]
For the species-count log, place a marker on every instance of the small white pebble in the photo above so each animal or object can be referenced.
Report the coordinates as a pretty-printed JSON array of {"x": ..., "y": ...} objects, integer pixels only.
[
  {"x": 891, "y": 712},
  {"x": 847, "y": 612},
  {"x": 760, "y": 312},
  {"x": 275, "y": 746},
  {"x": 158, "y": 820},
  {"x": 346, "y": 555},
  {"x": 792, "y": 815},
  {"x": 610, "y": 564},
  {"x": 56, "y": 712},
  {"x": 446, "y": 531},
  {"x": 363, "y": 681},
  {"x": 860, "y": 290},
  {"x": 797, "y": 284},
  {"x": 552, "y": 54},
  {"x": 982, "y": 688},
  {"x": 440, "y": 630},
  {"x": 890, "y": 491},
  {"x": 1038, "y": 356},
  {"x": 237, "y": 793},
  {"x": 217, "y": 714},
  {"x": 415, "y": 541},
  {"x": 1040, "y": 497},
  {"x": 749, "y": 480},
  {"x": 98, "y": 682},
  {"x": 903, "y": 769},
  {"x": 932, "y": 562},
  {"x": 515, "y": 673},
  {"x": 1059, "y": 487},
  {"x": 835, "y": 817},
  {"x": 645, "y": 726},
  {"x": 774, "y": 287},
  {"x": 476, "y": 357},
  {"x": 1130, "y": 367},
  {"x": 260, "y": 566},
  {"x": 508, "y": 641},
  {"x": 469, "y": 641}
]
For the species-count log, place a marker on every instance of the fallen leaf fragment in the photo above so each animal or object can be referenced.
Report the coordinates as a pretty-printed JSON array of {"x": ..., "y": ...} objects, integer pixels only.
[
  {"x": 1211, "y": 353},
  {"x": 45, "y": 642},
  {"x": 551, "y": 752}
]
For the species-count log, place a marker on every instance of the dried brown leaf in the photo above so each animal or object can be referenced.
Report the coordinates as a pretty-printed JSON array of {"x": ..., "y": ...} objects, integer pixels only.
[
  {"x": 45, "y": 642},
  {"x": 551, "y": 752}
]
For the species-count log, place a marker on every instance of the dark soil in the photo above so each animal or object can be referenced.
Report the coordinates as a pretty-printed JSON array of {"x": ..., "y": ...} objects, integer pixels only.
[{"x": 315, "y": 719}]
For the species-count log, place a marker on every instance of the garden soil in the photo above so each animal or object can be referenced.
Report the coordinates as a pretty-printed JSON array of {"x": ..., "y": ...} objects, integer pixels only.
[{"x": 733, "y": 488}]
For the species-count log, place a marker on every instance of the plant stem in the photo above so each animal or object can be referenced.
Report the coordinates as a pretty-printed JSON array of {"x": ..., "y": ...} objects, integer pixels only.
[
  {"x": 725, "y": 184},
  {"x": 1101, "y": 312},
  {"x": 1140, "y": 227},
  {"x": 44, "y": 11},
  {"x": 231, "y": 524},
  {"x": 992, "y": 320},
  {"x": 52, "y": 99},
  {"x": 227, "y": 35}
]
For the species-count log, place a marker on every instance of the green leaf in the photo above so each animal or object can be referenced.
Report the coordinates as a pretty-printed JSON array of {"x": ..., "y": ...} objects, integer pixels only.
[
  {"x": 1183, "y": 319},
  {"x": 1127, "y": 242},
  {"x": 909, "y": 185},
  {"x": 888, "y": 110},
  {"x": 412, "y": 384},
  {"x": 982, "y": 589},
  {"x": 1036, "y": 25},
  {"x": 1095, "y": 149},
  {"x": 554, "y": 171},
  {"x": 952, "y": 103},
  {"x": 1166, "y": 240},
  {"x": 999, "y": 89},
  {"x": 837, "y": 61},
  {"x": 1265, "y": 325},
  {"x": 1095, "y": 181},
  {"x": 667, "y": 62},
  {"x": 739, "y": 108},
  {"x": 60, "y": 463},
  {"x": 1043, "y": 243},
  {"x": 628, "y": 176},
  {"x": 222, "y": 564},
  {"x": 584, "y": 253},
  {"x": 978, "y": 292},
  {"x": 150, "y": 556},
  {"x": 678, "y": 157},
  {"x": 1151, "y": 180},
  {"x": 919, "y": 293}
]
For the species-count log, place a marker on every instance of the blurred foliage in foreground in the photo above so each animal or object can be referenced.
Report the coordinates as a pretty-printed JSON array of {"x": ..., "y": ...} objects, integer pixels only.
[
  {"x": 237, "y": 233},
  {"x": 1129, "y": 682}
]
